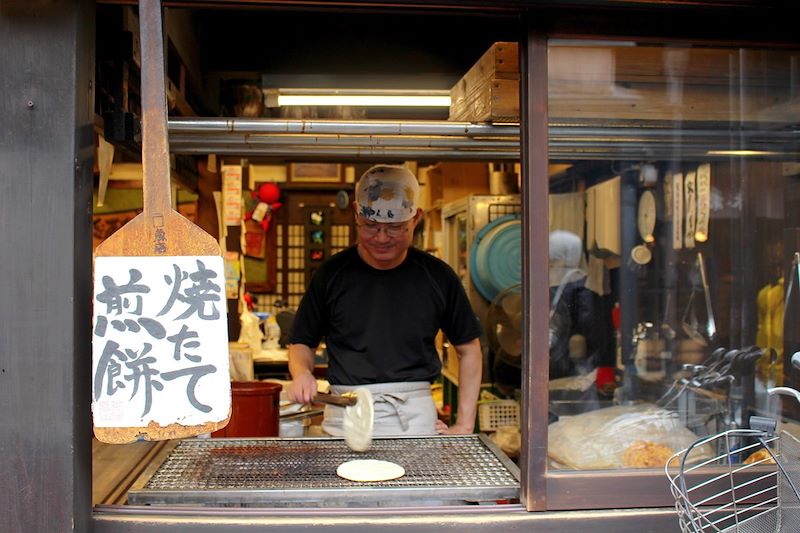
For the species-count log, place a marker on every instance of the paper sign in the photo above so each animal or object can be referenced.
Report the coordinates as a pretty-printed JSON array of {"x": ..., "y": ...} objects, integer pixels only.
[
  {"x": 668, "y": 196},
  {"x": 232, "y": 194},
  {"x": 232, "y": 275},
  {"x": 703, "y": 201},
  {"x": 690, "y": 208},
  {"x": 677, "y": 211},
  {"x": 160, "y": 341}
]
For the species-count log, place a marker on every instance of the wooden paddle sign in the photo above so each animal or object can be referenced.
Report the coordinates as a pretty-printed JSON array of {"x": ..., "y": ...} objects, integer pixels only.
[{"x": 160, "y": 333}]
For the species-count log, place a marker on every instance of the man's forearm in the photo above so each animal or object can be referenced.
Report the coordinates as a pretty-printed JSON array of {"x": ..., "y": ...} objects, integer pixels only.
[
  {"x": 301, "y": 360},
  {"x": 469, "y": 382}
]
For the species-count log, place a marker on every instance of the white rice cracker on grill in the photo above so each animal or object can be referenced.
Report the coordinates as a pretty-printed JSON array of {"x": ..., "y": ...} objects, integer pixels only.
[{"x": 369, "y": 470}]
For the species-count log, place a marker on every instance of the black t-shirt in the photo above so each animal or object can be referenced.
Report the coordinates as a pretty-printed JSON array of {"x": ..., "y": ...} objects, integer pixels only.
[{"x": 380, "y": 325}]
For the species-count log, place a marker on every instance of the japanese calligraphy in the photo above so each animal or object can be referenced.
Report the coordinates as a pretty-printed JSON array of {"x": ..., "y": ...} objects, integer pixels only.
[
  {"x": 690, "y": 208},
  {"x": 160, "y": 341},
  {"x": 703, "y": 201},
  {"x": 677, "y": 211}
]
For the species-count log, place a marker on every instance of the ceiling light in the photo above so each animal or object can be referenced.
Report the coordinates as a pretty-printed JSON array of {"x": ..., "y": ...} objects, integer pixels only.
[
  {"x": 356, "y": 97},
  {"x": 742, "y": 152}
]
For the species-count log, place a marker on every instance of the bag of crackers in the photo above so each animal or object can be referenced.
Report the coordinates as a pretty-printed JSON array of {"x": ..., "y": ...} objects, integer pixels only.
[{"x": 623, "y": 436}]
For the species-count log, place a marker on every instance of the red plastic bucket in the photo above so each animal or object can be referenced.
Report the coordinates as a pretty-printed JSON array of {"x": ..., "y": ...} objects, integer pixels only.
[{"x": 255, "y": 410}]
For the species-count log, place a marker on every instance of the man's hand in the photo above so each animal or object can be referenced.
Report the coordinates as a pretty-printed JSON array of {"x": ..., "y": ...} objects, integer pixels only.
[
  {"x": 301, "y": 366},
  {"x": 302, "y": 388},
  {"x": 455, "y": 429}
]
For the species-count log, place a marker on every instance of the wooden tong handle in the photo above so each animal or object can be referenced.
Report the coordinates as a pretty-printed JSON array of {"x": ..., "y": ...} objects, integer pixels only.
[{"x": 333, "y": 399}]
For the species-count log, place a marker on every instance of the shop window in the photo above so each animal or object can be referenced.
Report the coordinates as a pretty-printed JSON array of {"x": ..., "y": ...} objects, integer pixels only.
[{"x": 673, "y": 237}]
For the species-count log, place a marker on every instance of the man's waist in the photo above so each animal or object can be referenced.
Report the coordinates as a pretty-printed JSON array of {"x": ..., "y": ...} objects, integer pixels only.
[{"x": 388, "y": 387}]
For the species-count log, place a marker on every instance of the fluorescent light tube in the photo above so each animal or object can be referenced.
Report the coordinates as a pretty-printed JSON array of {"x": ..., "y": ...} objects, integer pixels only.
[{"x": 363, "y": 100}]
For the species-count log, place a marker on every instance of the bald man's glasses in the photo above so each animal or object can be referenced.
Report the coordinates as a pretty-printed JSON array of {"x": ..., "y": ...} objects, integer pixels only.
[{"x": 370, "y": 229}]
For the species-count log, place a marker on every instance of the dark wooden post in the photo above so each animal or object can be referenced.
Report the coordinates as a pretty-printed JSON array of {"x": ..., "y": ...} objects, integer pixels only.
[
  {"x": 46, "y": 156},
  {"x": 535, "y": 268}
]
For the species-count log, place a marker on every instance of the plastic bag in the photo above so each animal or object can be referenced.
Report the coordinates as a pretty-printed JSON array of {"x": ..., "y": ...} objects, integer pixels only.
[
  {"x": 240, "y": 356},
  {"x": 251, "y": 333},
  {"x": 599, "y": 439},
  {"x": 581, "y": 382},
  {"x": 508, "y": 439}
]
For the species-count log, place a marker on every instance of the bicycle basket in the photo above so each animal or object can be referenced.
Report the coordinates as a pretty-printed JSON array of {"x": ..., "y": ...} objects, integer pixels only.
[{"x": 748, "y": 485}]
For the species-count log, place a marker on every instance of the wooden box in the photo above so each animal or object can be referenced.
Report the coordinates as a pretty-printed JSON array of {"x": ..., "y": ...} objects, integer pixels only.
[
  {"x": 489, "y": 91},
  {"x": 451, "y": 180}
]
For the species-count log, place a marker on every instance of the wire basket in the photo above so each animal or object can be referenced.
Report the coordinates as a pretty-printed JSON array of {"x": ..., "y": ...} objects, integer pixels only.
[
  {"x": 495, "y": 414},
  {"x": 738, "y": 481}
]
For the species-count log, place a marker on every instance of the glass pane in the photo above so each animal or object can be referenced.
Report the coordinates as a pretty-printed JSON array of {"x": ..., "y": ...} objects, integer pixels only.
[{"x": 674, "y": 178}]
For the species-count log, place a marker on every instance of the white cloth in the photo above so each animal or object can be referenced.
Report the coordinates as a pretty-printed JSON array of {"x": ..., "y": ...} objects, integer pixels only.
[
  {"x": 566, "y": 258},
  {"x": 568, "y": 212},
  {"x": 599, "y": 279},
  {"x": 400, "y": 409},
  {"x": 602, "y": 218}
]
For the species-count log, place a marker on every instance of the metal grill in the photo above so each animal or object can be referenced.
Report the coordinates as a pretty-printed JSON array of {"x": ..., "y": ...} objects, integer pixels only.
[{"x": 282, "y": 472}]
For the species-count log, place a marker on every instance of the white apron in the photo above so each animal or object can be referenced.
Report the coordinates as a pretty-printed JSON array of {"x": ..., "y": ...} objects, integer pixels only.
[{"x": 405, "y": 408}]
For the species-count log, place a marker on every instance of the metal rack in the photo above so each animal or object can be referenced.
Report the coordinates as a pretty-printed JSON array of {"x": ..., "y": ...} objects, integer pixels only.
[{"x": 270, "y": 472}]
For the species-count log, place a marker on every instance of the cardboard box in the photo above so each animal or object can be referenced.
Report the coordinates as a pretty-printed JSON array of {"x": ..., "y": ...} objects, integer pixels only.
[{"x": 489, "y": 91}]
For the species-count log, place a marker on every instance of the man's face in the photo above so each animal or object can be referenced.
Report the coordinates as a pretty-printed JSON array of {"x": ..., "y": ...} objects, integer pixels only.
[{"x": 384, "y": 245}]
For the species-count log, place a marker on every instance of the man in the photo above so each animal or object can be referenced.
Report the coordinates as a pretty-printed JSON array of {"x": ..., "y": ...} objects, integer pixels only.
[{"x": 379, "y": 306}]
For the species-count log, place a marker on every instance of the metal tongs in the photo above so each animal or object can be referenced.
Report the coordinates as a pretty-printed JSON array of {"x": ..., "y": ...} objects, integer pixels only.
[
  {"x": 324, "y": 398},
  {"x": 335, "y": 399},
  {"x": 691, "y": 325}
]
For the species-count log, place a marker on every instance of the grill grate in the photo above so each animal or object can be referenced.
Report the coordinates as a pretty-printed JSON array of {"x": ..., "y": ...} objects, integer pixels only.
[{"x": 281, "y": 468}]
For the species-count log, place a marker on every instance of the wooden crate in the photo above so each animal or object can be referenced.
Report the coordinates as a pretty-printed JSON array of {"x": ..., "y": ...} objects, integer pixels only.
[
  {"x": 451, "y": 180},
  {"x": 489, "y": 91}
]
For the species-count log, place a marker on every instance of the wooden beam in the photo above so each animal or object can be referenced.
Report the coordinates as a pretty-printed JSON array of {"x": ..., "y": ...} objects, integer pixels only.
[{"x": 47, "y": 69}]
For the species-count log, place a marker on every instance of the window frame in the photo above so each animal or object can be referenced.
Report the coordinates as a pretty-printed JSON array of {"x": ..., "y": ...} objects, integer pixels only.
[{"x": 50, "y": 446}]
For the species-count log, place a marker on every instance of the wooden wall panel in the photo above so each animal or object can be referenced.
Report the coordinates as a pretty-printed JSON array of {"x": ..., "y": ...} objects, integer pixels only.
[{"x": 46, "y": 148}]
